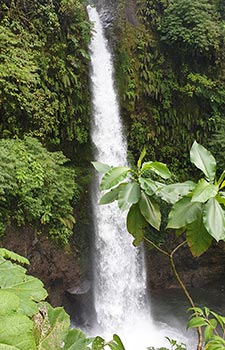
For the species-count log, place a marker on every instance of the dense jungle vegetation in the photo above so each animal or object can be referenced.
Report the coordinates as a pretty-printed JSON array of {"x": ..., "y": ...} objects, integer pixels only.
[
  {"x": 44, "y": 96},
  {"x": 170, "y": 74},
  {"x": 170, "y": 68},
  {"x": 44, "y": 85}
]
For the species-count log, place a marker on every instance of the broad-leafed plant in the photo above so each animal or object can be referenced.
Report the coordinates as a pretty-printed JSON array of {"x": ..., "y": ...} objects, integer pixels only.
[
  {"x": 197, "y": 208},
  {"x": 27, "y": 322}
]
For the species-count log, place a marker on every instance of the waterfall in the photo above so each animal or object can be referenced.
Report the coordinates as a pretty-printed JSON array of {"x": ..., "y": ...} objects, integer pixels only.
[{"x": 119, "y": 271}]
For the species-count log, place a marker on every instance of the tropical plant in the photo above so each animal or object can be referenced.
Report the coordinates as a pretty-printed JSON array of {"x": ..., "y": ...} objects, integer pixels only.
[
  {"x": 27, "y": 322},
  {"x": 174, "y": 345},
  {"x": 213, "y": 324},
  {"x": 36, "y": 187},
  {"x": 170, "y": 76},
  {"x": 197, "y": 214},
  {"x": 193, "y": 23},
  {"x": 44, "y": 70}
]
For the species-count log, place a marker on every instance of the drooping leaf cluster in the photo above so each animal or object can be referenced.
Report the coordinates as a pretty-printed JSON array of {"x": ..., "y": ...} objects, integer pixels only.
[
  {"x": 170, "y": 68},
  {"x": 36, "y": 188},
  {"x": 43, "y": 70},
  {"x": 197, "y": 208},
  {"x": 214, "y": 327}
]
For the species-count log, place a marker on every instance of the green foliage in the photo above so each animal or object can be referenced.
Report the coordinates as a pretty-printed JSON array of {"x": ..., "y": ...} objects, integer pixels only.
[
  {"x": 174, "y": 345},
  {"x": 135, "y": 191},
  {"x": 27, "y": 322},
  {"x": 19, "y": 297},
  {"x": 214, "y": 327},
  {"x": 197, "y": 212},
  {"x": 28, "y": 290},
  {"x": 171, "y": 89},
  {"x": 197, "y": 208},
  {"x": 193, "y": 23},
  {"x": 7, "y": 254},
  {"x": 100, "y": 344},
  {"x": 43, "y": 70},
  {"x": 204, "y": 203},
  {"x": 36, "y": 187}
]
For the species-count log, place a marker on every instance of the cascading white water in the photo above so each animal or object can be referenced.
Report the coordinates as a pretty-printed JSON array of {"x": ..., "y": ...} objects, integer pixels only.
[{"x": 119, "y": 272}]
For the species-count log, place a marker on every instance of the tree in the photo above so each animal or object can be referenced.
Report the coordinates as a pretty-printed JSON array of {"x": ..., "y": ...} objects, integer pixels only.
[
  {"x": 192, "y": 24},
  {"x": 36, "y": 187},
  {"x": 197, "y": 214}
]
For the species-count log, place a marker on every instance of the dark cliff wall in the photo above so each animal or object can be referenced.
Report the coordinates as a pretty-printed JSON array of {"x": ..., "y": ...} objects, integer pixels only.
[
  {"x": 57, "y": 267},
  {"x": 195, "y": 272}
]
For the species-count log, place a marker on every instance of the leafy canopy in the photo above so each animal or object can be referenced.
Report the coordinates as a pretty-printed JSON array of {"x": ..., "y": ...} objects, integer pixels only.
[
  {"x": 192, "y": 22},
  {"x": 36, "y": 187},
  {"x": 197, "y": 208}
]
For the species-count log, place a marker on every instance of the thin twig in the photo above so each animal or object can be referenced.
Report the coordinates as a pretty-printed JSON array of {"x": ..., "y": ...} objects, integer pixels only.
[
  {"x": 176, "y": 274},
  {"x": 156, "y": 247}
]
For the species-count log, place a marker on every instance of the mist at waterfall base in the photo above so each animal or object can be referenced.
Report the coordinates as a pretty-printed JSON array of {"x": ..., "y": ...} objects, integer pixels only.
[{"x": 120, "y": 294}]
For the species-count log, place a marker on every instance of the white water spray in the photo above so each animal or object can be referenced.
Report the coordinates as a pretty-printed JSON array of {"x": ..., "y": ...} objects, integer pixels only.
[{"x": 119, "y": 272}]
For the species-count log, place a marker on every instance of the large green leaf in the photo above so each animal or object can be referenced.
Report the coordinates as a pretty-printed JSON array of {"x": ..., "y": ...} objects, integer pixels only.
[
  {"x": 203, "y": 160},
  {"x": 7, "y": 347},
  {"x": 172, "y": 193},
  {"x": 158, "y": 168},
  {"x": 7, "y": 254},
  {"x": 16, "y": 331},
  {"x": 221, "y": 198},
  {"x": 136, "y": 223},
  {"x": 183, "y": 212},
  {"x": 129, "y": 194},
  {"x": 117, "y": 339},
  {"x": 9, "y": 303},
  {"x": 150, "y": 186},
  {"x": 113, "y": 177},
  {"x": 198, "y": 238},
  {"x": 56, "y": 324},
  {"x": 10, "y": 273},
  {"x": 150, "y": 210},
  {"x": 142, "y": 155},
  {"x": 98, "y": 343},
  {"x": 28, "y": 288},
  {"x": 197, "y": 322},
  {"x": 30, "y": 291},
  {"x": 101, "y": 167},
  {"x": 116, "y": 343},
  {"x": 111, "y": 196},
  {"x": 214, "y": 219},
  {"x": 76, "y": 340},
  {"x": 203, "y": 191}
]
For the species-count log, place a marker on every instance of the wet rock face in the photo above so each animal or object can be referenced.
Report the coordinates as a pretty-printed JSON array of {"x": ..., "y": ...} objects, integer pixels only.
[
  {"x": 106, "y": 9},
  {"x": 78, "y": 302},
  {"x": 195, "y": 272}
]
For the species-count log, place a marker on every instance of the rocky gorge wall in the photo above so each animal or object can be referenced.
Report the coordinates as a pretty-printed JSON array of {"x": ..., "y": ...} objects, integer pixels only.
[{"x": 194, "y": 272}]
